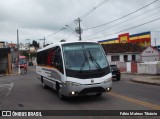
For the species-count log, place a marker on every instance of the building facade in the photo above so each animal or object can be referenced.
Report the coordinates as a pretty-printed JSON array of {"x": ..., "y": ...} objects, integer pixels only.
[
  {"x": 122, "y": 52},
  {"x": 5, "y": 61},
  {"x": 142, "y": 39},
  {"x": 150, "y": 54}
]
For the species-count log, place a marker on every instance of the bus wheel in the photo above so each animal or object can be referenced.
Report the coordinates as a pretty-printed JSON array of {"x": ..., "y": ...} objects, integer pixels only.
[
  {"x": 98, "y": 94},
  {"x": 62, "y": 97},
  {"x": 43, "y": 84}
]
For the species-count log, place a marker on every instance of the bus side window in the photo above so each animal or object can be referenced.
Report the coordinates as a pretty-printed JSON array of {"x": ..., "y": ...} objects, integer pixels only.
[
  {"x": 57, "y": 59},
  {"x": 49, "y": 57}
]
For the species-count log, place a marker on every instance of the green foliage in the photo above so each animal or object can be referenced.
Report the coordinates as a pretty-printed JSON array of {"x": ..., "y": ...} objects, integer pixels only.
[
  {"x": 26, "y": 53},
  {"x": 35, "y": 44}
]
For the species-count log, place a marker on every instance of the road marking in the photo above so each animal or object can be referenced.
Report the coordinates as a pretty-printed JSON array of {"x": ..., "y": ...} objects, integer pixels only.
[
  {"x": 8, "y": 86},
  {"x": 11, "y": 85},
  {"x": 157, "y": 107}
]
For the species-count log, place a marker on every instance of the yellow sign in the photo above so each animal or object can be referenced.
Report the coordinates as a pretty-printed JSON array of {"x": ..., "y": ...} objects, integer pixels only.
[{"x": 123, "y": 39}]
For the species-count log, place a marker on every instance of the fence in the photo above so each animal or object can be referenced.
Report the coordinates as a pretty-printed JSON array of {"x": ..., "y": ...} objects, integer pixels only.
[{"x": 141, "y": 68}]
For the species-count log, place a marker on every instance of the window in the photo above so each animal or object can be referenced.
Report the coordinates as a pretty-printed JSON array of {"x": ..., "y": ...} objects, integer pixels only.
[
  {"x": 51, "y": 57},
  {"x": 42, "y": 58},
  {"x": 133, "y": 57},
  {"x": 125, "y": 57},
  {"x": 115, "y": 58},
  {"x": 83, "y": 57}
]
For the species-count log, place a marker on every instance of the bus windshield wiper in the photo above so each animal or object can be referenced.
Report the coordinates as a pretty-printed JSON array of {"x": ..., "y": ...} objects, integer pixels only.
[
  {"x": 94, "y": 61},
  {"x": 85, "y": 61}
]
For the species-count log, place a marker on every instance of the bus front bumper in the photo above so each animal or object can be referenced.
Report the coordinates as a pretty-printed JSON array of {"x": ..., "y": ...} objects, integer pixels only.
[{"x": 86, "y": 89}]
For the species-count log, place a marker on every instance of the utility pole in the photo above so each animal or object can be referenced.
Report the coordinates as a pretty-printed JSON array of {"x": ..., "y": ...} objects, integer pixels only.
[
  {"x": 79, "y": 30},
  {"x": 79, "y": 21},
  {"x": 19, "y": 71},
  {"x": 18, "y": 45},
  {"x": 44, "y": 42}
]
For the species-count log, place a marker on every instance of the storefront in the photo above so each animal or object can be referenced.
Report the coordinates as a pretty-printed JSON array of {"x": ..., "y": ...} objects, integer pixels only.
[
  {"x": 142, "y": 39},
  {"x": 5, "y": 61}
]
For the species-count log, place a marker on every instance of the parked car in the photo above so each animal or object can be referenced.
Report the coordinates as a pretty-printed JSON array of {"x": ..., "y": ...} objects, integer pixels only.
[
  {"x": 30, "y": 63},
  {"x": 116, "y": 74}
]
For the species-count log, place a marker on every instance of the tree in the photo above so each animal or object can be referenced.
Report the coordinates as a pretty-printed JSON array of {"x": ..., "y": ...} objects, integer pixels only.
[{"x": 35, "y": 44}]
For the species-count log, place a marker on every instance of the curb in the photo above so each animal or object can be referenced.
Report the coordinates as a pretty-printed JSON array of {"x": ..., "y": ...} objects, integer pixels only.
[
  {"x": 9, "y": 75},
  {"x": 140, "y": 74},
  {"x": 145, "y": 82}
]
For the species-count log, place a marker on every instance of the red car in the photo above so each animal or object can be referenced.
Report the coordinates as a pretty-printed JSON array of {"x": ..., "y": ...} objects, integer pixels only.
[{"x": 23, "y": 64}]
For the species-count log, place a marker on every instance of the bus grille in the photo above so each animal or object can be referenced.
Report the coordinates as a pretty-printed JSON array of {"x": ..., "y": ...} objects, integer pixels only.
[{"x": 92, "y": 90}]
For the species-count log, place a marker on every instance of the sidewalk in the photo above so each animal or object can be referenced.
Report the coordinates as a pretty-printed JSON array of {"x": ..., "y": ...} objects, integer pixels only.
[
  {"x": 145, "y": 78},
  {"x": 14, "y": 73},
  {"x": 153, "y": 80}
]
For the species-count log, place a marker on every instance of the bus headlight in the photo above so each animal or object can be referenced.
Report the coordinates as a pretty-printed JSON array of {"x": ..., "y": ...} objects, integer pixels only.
[
  {"x": 108, "y": 80},
  {"x": 69, "y": 83}
]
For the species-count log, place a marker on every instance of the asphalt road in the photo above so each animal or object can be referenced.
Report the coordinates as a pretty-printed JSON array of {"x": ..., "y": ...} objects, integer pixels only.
[{"x": 25, "y": 92}]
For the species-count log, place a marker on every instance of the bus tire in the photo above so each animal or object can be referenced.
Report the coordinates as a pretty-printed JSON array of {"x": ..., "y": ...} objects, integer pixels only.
[
  {"x": 99, "y": 94},
  {"x": 43, "y": 84},
  {"x": 62, "y": 97}
]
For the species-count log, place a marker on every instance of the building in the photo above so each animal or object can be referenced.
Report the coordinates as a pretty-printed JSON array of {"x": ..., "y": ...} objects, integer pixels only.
[
  {"x": 124, "y": 55},
  {"x": 5, "y": 59},
  {"x": 122, "y": 52},
  {"x": 142, "y": 39},
  {"x": 2, "y": 44},
  {"x": 11, "y": 45},
  {"x": 150, "y": 54}
]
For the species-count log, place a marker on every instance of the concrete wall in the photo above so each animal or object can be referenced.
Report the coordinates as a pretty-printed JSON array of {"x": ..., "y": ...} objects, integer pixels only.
[
  {"x": 150, "y": 58},
  {"x": 149, "y": 68},
  {"x": 128, "y": 66},
  {"x": 122, "y": 66}
]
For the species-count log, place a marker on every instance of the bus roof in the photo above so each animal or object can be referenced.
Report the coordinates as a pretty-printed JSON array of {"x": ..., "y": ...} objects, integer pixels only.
[{"x": 61, "y": 43}]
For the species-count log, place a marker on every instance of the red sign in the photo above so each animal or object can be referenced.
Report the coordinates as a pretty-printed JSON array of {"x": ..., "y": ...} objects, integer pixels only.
[{"x": 123, "y": 38}]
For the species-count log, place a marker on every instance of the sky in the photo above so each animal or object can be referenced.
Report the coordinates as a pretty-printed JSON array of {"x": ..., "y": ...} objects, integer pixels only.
[{"x": 56, "y": 20}]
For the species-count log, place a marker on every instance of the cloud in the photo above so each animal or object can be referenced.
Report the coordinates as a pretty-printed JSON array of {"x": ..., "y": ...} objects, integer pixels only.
[{"x": 40, "y": 18}]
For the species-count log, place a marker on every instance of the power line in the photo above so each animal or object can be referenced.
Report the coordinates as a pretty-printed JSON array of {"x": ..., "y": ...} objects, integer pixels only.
[
  {"x": 128, "y": 20},
  {"x": 142, "y": 20},
  {"x": 85, "y": 15},
  {"x": 56, "y": 32},
  {"x": 69, "y": 36},
  {"x": 126, "y": 29},
  {"x": 92, "y": 10},
  {"x": 122, "y": 16}
]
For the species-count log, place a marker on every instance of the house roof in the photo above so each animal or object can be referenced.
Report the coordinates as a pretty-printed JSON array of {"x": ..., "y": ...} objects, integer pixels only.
[
  {"x": 152, "y": 47},
  {"x": 122, "y": 48}
]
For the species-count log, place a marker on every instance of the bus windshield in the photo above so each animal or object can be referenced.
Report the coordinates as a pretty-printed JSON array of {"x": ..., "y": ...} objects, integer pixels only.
[{"x": 84, "y": 57}]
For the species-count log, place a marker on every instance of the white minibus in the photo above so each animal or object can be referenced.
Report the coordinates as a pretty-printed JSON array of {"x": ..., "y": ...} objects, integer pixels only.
[{"x": 74, "y": 68}]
